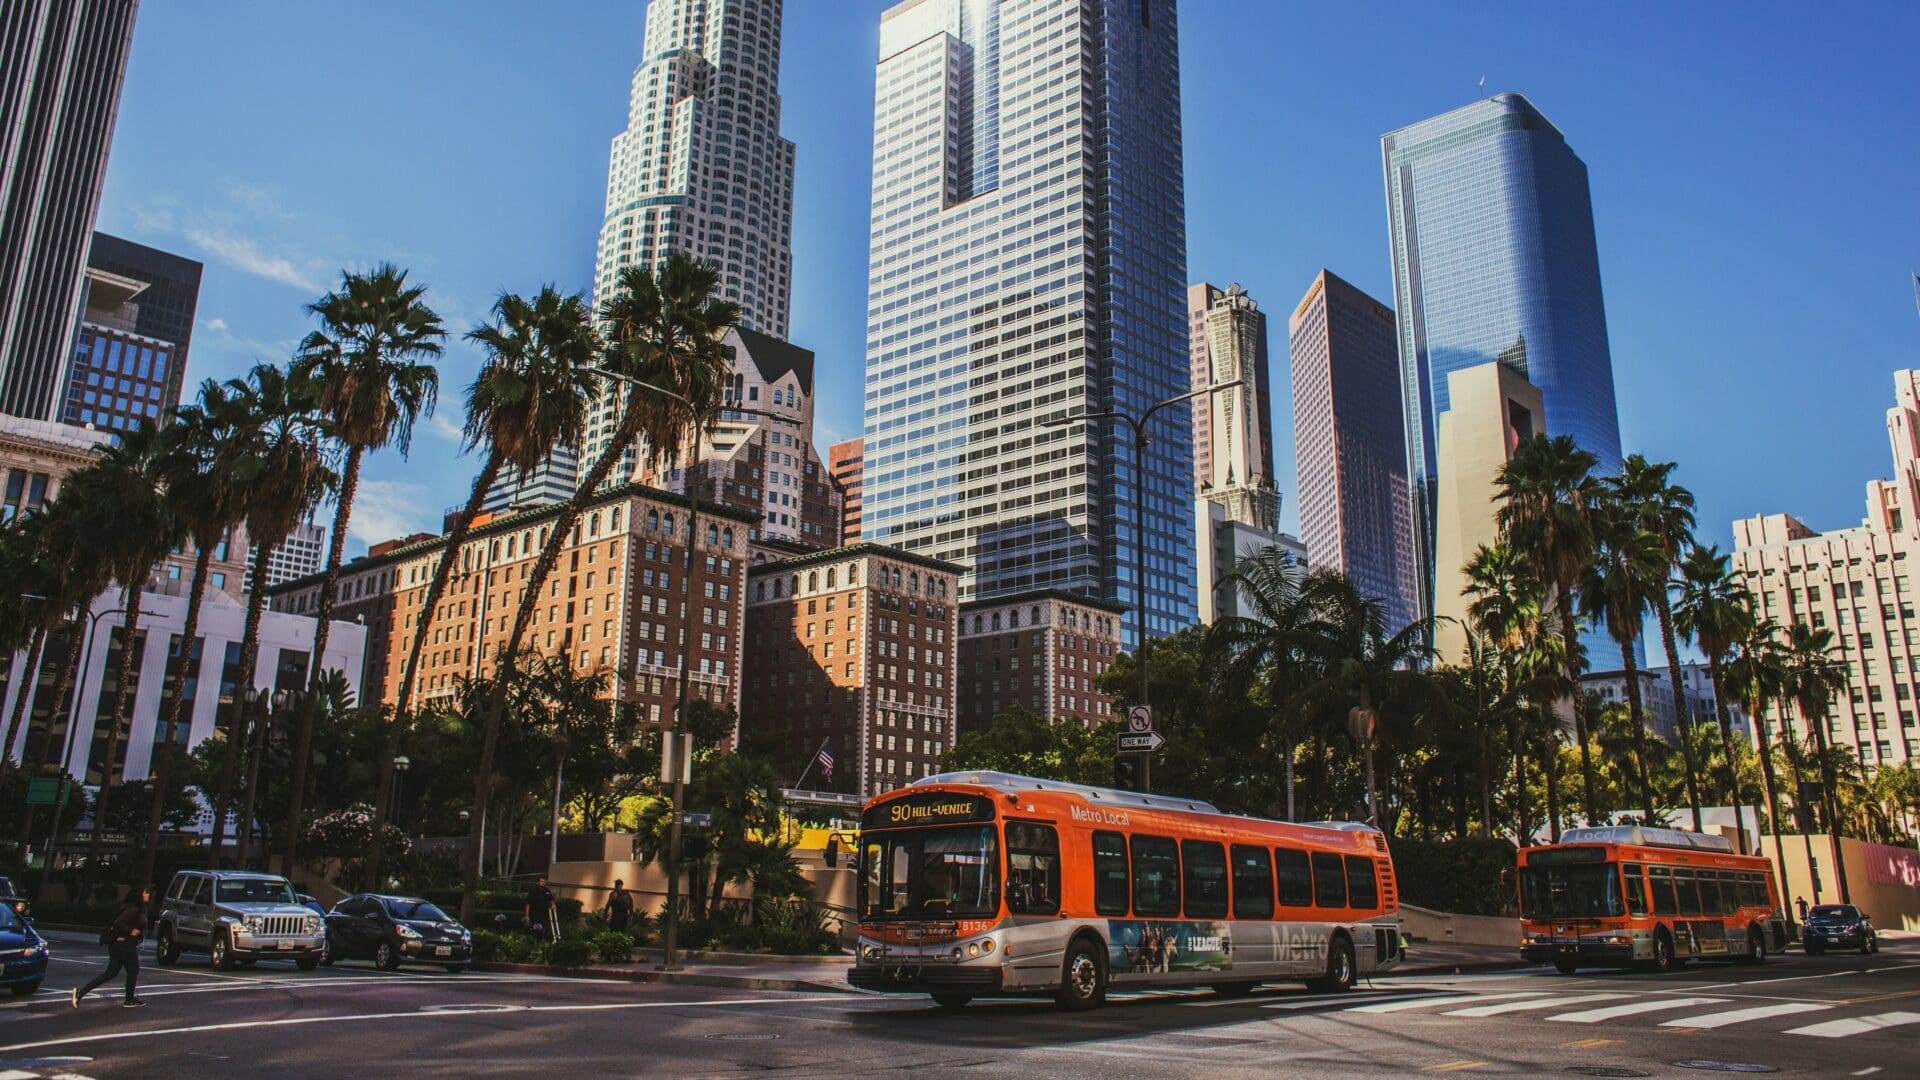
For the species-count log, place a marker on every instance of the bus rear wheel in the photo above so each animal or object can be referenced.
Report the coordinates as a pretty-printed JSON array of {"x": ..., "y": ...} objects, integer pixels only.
[
  {"x": 1083, "y": 981},
  {"x": 1756, "y": 948},
  {"x": 1663, "y": 959},
  {"x": 1340, "y": 972}
]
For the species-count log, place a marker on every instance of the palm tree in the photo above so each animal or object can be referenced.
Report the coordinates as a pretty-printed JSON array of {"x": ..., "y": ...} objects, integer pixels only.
[
  {"x": 1714, "y": 611},
  {"x": 281, "y": 473},
  {"x": 566, "y": 700},
  {"x": 1549, "y": 501},
  {"x": 371, "y": 367},
  {"x": 531, "y": 395},
  {"x": 1665, "y": 509},
  {"x": 1813, "y": 676},
  {"x": 132, "y": 524},
  {"x": 663, "y": 330},
  {"x": 204, "y": 443},
  {"x": 1629, "y": 568},
  {"x": 43, "y": 588},
  {"x": 1507, "y": 606},
  {"x": 1273, "y": 648}
]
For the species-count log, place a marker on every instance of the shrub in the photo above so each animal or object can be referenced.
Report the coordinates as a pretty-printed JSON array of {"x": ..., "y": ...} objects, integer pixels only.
[
  {"x": 612, "y": 946},
  {"x": 348, "y": 834},
  {"x": 1461, "y": 876},
  {"x": 569, "y": 952},
  {"x": 487, "y": 946}
]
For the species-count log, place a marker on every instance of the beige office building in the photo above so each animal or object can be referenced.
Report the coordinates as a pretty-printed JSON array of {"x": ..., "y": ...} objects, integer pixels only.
[
  {"x": 1858, "y": 583},
  {"x": 1492, "y": 409}
]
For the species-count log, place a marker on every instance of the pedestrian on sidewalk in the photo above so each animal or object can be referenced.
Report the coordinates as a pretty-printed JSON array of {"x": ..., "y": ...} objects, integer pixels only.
[
  {"x": 1801, "y": 903},
  {"x": 122, "y": 937},
  {"x": 619, "y": 907},
  {"x": 540, "y": 910}
]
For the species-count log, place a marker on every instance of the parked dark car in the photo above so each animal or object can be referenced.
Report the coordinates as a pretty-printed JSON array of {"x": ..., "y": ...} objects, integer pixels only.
[
  {"x": 1841, "y": 926},
  {"x": 23, "y": 954},
  {"x": 392, "y": 930},
  {"x": 12, "y": 897}
]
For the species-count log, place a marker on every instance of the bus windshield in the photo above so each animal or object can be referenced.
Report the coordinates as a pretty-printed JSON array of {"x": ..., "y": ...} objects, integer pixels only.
[
  {"x": 932, "y": 873},
  {"x": 1583, "y": 890}
]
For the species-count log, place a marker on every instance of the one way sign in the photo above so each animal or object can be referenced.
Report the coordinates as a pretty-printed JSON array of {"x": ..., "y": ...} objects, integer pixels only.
[{"x": 1152, "y": 740}]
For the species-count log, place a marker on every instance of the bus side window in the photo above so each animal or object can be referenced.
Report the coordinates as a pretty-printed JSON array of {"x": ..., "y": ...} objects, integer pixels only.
[
  {"x": 1688, "y": 890},
  {"x": 1252, "y": 883},
  {"x": 1362, "y": 890},
  {"x": 1205, "y": 864},
  {"x": 1636, "y": 888},
  {"x": 1156, "y": 877},
  {"x": 1329, "y": 880},
  {"x": 1033, "y": 869},
  {"x": 1296, "y": 880},
  {"x": 1756, "y": 890},
  {"x": 1110, "y": 879},
  {"x": 1730, "y": 889},
  {"x": 1660, "y": 881}
]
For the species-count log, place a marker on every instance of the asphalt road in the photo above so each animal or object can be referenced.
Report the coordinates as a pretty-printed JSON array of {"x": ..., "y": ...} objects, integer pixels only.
[{"x": 1835, "y": 1015}]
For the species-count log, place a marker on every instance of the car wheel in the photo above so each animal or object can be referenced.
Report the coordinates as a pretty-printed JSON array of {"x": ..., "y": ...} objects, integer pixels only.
[
  {"x": 221, "y": 952},
  {"x": 455, "y": 969},
  {"x": 1869, "y": 945},
  {"x": 1340, "y": 971},
  {"x": 23, "y": 989},
  {"x": 307, "y": 963},
  {"x": 166, "y": 950},
  {"x": 1565, "y": 966},
  {"x": 326, "y": 951},
  {"x": 1663, "y": 959},
  {"x": 1083, "y": 980},
  {"x": 952, "y": 1001},
  {"x": 386, "y": 957}
]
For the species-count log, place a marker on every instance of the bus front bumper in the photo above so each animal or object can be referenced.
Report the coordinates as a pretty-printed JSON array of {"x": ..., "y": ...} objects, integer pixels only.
[
  {"x": 1587, "y": 951},
  {"x": 917, "y": 978}
]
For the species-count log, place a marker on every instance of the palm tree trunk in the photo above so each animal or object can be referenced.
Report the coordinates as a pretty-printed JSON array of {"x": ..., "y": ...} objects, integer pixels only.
[
  {"x": 1550, "y": 772},
  {"x": 238, "y": 710},
  {"x": 29, "y": 682},
  {"x": 162, "y": 770},
  {"x": 1683, "y": 716},
  {"x": 76, "y": 640},
  {"x": 1726, "y": 747},
  {"x": 504, "y": 667},
  {"x": 130, "y": 630},
  {"x": 1486, "y": 783},
  {"x": 1765, "y": 739},
  {"x": 316, "y": 664},
  {"x": 1639, "y": 718},
  {"x": 1827, "y": 798},
  {"x": 422, "y": 626},
  {"x": 1522, "y": 828},
  {"x": 1571, "y": 637}
]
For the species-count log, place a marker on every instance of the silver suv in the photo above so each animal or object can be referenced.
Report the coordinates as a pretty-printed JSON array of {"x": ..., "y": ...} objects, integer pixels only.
[{"x": 233, "y": 915}]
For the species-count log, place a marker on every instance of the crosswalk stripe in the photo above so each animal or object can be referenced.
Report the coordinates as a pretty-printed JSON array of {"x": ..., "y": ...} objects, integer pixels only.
[
  {"x": 1440, "y": 999},
  {"x": 1741, "y": 1016},
  {"x": 1857, "y": 1025},
  {"x": 1318, "y": 1002},
  {"x": 1533, "y": 1003},
  {"x": 1594, "y": 1016}
]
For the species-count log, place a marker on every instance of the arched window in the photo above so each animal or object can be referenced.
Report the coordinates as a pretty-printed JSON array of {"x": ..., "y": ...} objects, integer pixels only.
[
  {"x": 853, "y": 574},
  {"x": 776, "y": 588},
  {"x": 996, "y": 620},
  {"x": 793, "y": 584},
  {"x": 666, "y": 524},
  {"x": 831, "y": 576},
  {"x": 813, "y": 581},
  {"x": 727, "y": 538},
  {"x": 653, "y": 521},
  {"x": 613, "y": 522},
  {"x": 760, "y": 591},
  {"x": 713, "y": 535},
  {"x": 913, "y": 583}
]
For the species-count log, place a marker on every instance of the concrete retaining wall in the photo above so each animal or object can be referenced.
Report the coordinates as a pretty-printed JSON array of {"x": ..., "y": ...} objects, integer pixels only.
[{"x": 1422, "y": 924}]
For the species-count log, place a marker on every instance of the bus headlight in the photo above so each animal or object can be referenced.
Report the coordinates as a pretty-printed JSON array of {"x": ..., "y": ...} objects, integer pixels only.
[{"x": 973, "y": 949}]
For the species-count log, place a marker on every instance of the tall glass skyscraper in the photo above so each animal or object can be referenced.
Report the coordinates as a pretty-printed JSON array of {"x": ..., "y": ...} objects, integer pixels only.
[
  {"x": 1494, "y": 259},
  {"x": 1029, "y": 265}
]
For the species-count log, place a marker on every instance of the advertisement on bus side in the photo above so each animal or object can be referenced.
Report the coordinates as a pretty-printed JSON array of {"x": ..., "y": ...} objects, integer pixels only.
[{"x": 1143, "y": 946}]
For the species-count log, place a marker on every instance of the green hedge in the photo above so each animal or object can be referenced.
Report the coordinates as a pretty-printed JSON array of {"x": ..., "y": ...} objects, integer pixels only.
[{"x": 1460, "y": 876}]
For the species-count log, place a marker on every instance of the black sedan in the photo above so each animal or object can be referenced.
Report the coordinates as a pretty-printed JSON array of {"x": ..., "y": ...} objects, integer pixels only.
[
  {"x": 392, "y": 930},
  {"x": 1841, "y": 926}
]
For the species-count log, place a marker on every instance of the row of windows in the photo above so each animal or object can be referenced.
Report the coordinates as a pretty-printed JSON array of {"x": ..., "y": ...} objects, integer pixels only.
[
  {"x": 1687, "y": 891},
  {"x": 1164, "y": 879}
]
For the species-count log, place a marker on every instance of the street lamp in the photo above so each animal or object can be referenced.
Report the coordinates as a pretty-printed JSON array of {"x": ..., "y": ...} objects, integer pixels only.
[
  {"x": 276, "y": 702},
  {"x": 73, "y": 722},
  {"x": 401, "y": 763},
  {"x": 1139, "y": 426}
]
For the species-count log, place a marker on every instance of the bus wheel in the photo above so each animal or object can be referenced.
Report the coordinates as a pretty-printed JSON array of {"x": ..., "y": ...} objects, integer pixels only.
[
  {"x": 1233, "y": 990},
  {"x": 1565, "y": 966},
  {"x": 1340, "y": 974},
  {"x": 952, "y": 1001},
  {"x": 1083, "y": 981},
  {"x": 1662, "y": 952},
  {"x": 1756, "y": 949}
]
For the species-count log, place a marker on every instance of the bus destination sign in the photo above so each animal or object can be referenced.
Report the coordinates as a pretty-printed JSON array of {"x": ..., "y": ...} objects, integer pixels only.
[
  {"x": 931, "y": 808},
  {"x": 1566, "y": 855}
]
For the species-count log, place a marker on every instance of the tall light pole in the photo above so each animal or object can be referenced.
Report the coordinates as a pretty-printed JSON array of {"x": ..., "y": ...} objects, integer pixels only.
[
  {"x": 243, "y": 831},
  {"x": 66, "y": 752},
  {"x": 1139, "y": 426}
]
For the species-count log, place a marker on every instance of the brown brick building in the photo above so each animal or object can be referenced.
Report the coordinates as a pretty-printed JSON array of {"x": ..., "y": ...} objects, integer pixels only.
[
  {"x": 1040, "y": 650},
  {"x": 614, "y": 600},
  {"x": 852, "y": 649},
  {"x": 847, "y": 462}
]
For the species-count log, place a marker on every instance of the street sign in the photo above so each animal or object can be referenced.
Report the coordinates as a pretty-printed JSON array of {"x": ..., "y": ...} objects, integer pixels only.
[
  {"x": 1140, "y": 719},
  {"x": 1150, "y": 741},
  {"x": 45, "y": 790},
  {"x": 698, "y": 821}
]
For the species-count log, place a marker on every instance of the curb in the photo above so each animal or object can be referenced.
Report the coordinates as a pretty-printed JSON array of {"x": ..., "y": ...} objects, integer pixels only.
[{"x": 684, "y": 978}]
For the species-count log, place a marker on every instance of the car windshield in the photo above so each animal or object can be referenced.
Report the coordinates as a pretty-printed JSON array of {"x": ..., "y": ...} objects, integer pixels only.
[
  {"x": 254, "y": 891},
  {"x": 7, "y": 887},
  {"x": 1831, "y": 913},
  {"x": 1589, "y": 890},
  {"x": 937, "y": 873},
  {"x": 416, "y": 911},
  {"x": 9, "y": 922}
]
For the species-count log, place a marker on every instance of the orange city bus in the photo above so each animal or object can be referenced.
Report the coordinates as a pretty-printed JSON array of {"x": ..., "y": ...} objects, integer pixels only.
[
  {"x": 984, "y": 883},
  {"x": 1627, "y": 895}
]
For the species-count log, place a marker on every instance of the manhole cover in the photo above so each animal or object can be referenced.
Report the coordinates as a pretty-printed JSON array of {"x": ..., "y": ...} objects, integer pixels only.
[
  {"x": 744, "y": 1036},
  {"x": 476, "y": 1007},
  {"x": 1709, "y": 1065},
  {"x": 1605, "y": 1070}
]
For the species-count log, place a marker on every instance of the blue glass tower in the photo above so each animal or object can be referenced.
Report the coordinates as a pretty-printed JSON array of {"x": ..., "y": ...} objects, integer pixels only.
[
  {"x": 1494, "y": 259},
  {"x": 1028, "y": 265}
]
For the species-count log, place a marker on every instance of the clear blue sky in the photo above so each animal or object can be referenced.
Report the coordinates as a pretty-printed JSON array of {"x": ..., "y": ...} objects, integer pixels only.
[{"x": 1754, "y": 174}]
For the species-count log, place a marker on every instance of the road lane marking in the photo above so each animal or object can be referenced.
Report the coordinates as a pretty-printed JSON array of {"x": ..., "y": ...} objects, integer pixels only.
[
  {"x": 1321, "y": 1002},
  {"x": 1798, "y": 978},
  {"x": 1455, "y": 1066},
  {"x": 1443, "y": 999},
  {"x": 1868, "y": 1071},
  {"x": 1589, "y": 1044},
  {"x": 1533, "y": 1003},
  {"x": 411, "y": 1014},
  {"x": 1857, "y": 1025},
  {"x": 1741, "y": 1016},
  {"x": 1594, "y": 1016}
]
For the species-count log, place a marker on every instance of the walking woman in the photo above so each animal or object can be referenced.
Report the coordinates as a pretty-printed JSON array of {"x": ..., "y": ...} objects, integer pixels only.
[{"x": 122, "y": 937}]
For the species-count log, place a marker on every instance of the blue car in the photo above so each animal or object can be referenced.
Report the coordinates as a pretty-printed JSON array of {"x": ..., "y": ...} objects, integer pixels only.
[{"x": 23, "y": 953}]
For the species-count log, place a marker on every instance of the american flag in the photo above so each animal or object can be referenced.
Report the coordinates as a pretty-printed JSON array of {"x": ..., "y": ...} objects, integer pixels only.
[{"x": 825, "y": 760}]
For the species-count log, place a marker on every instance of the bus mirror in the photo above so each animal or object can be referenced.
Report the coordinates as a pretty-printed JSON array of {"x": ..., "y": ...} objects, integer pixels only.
[{"x": 832, "y": 854}]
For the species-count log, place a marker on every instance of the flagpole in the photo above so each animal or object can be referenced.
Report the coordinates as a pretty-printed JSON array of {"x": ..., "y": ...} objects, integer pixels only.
[{"x": 810, "y": 761}]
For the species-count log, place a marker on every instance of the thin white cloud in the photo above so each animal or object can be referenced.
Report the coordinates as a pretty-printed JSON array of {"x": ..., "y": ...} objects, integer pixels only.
[
  {"x": 217, "y": 324},
  {"x": 245, "y": 253},
  {"x": 388, "y": 509},
  {"x": 442, "y": 425}
]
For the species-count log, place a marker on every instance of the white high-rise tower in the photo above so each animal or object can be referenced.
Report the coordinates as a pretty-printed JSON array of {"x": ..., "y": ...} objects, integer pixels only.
[{"x": 702, "y": 169}]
